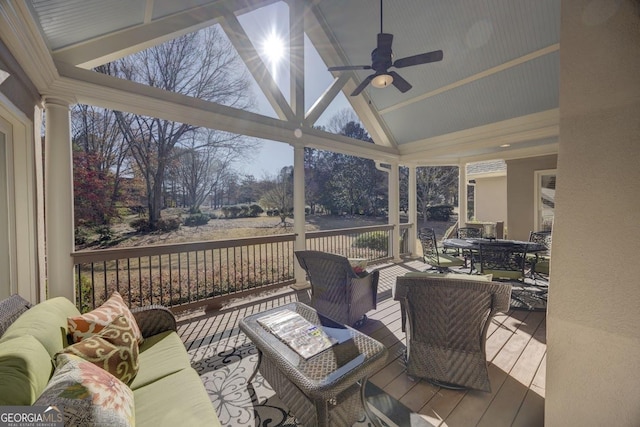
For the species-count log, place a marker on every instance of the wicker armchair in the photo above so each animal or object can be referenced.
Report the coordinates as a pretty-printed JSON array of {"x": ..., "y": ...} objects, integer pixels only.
[
  {"x": 446, "y": 325},
  {"x": 336, "y": 290}
]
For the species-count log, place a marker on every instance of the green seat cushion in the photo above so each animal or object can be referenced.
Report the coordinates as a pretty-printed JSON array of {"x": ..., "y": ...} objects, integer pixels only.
[
  {"x": 179, "y": 399},
  {"x": 46, "y": 321},
  {"x": 25, "y": 369},
  {"x": 542, "y": 266},
  {"x": 445, "y": 260},
  {"x": 476, "y": 277},
  {"x": 159, "y": 356},
  {"x": 505, "y": 274}
]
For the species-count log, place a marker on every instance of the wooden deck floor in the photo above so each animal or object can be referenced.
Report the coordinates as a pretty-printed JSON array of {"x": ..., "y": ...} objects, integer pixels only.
[{"x": 516, "y": 350}]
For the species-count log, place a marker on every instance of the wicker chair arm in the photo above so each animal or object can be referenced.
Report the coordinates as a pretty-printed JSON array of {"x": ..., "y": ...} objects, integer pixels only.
[
  {"x": 502, "y": 297},
  {"x": 154, "y": 319},
  {"x": 10, "y": 309},
  {"x": 366, "y": 285}
]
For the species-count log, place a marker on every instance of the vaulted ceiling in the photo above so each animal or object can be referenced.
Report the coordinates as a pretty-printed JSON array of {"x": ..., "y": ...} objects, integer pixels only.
[{"x": 494, "y": 94}]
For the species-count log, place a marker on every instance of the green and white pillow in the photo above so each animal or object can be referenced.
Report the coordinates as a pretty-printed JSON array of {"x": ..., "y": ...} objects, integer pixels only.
[{"x": 88, "y": 395}]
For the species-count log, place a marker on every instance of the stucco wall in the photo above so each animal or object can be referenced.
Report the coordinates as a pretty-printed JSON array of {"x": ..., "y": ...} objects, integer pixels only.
[
  {"x": 521, "y": 193},
  {"x": 593, "y": 322},
  {"x": 491, "y": 199}
]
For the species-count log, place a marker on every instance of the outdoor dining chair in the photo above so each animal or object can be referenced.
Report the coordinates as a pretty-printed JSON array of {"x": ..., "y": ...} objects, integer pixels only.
[
  {"x": 446, "y": 326},
  {"x": 337, "y": 291},
  {"x": 503, "y": 260},
  {"x": 432, "y": 256},
  {"x": 540, "y": 260},
  {"x": 469, "y": 233}
]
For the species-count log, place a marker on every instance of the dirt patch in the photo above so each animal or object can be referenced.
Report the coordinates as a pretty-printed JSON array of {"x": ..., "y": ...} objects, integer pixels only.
[{"x": 223, "y": 229}]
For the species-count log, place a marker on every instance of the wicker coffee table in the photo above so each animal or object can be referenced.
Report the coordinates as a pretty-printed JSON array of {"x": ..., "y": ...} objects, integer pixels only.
[{"x": 325, "y": 389}]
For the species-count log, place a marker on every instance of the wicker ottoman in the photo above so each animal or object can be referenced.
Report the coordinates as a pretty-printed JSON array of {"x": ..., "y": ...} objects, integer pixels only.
[{"x": 325, "y": 389}]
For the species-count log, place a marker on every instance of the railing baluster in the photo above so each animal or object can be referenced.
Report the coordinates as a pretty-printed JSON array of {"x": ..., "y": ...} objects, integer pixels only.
[{"x": 236, "y": 266}]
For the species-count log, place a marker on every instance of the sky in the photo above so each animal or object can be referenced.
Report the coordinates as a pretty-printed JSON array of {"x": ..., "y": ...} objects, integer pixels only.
[{"x": 261, "y": 25}]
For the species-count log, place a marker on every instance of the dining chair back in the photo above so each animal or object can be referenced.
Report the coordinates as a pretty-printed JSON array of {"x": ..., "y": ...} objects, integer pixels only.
[
  {"x": 337, "y": 291},
  {"x": 447, "y": 319},
  {"x": 469, "y": 233},
  {"x": 432, "y": 256},
  {"x": 467, "y": 255},
  {"x": 540, "y": 260},
  {"x": 503, "y": 260}
]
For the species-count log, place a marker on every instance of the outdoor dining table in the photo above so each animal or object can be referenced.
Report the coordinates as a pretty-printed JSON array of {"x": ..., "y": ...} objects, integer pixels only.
[{"x": 474, "y": 244}]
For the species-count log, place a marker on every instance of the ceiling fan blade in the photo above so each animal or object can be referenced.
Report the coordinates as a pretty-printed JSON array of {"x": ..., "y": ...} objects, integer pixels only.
[
  {"x": 384, "y": 42},
  {"x": 423, "y": 58},
  {"x": 401, "y": 84},
  {"x": 362, "y": 85},
  {"x": 350, "y": 67}
]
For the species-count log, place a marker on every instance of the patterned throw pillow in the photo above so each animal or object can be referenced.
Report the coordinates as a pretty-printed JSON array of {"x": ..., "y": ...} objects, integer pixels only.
[
  {"x": 89, "y": 395},
  {"x": 81, "y": 327},
  {"x": 114, "y": 349}
]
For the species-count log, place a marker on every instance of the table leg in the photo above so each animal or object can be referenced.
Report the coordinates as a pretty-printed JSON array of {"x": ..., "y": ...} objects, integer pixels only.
[
  {"x": 367, "y": 410},
  {"x": 257, "y": 367}
]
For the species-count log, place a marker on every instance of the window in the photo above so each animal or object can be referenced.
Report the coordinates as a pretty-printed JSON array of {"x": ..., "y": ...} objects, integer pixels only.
[{"x": 545, "y": 199}]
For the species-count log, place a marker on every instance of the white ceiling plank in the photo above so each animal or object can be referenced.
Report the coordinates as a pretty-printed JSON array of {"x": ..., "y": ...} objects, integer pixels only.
[{"x": 478, "y": 76}]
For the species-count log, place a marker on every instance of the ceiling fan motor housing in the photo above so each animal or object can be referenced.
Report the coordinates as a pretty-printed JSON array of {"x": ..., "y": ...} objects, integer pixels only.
[{"x": 381, "y": 55}]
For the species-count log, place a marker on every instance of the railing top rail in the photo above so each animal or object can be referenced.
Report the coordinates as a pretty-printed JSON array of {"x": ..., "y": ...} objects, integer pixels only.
[{"x": 88, "y": 256}]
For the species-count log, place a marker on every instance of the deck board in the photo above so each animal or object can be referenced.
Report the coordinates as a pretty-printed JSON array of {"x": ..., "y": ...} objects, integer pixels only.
[{"x": 516, "y": 351}]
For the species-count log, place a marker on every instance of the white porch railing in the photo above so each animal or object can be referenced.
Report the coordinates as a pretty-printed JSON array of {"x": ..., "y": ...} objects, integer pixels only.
[{"x": 187, "y": 275}]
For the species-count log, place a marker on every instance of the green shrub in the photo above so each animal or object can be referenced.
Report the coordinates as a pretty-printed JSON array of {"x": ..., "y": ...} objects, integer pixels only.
[
  {"x": 105, "y": 233},
  {"x": 377, "y": 240},
  {"x": 81, "y": 235},
  {"x": 439, "y": 212},
  {"x": 168, "y": 224},
  {"x": 141, "y": 225},
  {"x": 196, "y": 219},
  {"x": 255, "y": 210}
]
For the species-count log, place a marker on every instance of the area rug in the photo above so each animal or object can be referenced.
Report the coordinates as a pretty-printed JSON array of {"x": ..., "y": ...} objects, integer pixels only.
[{"x": 237, "y": 403}]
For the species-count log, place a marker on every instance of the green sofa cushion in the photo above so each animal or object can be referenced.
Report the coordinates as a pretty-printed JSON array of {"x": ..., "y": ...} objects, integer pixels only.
[
  {"x": 160, "y": 355},
  {"x": 46, "y": 321},
  {"x": 182, "y": 404},
  {"x": 25, "y": 369}
]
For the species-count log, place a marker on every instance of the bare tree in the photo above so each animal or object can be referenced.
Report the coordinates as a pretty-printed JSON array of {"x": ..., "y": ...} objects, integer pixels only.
[
  {"x": 280, "y": 196},
  {"x": 202, "y": 65},
  {"x": 204, "y": 163}
]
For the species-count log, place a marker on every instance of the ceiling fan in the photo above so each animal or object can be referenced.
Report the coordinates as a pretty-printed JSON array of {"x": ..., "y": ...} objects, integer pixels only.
[{"x": 382, "y": 60}]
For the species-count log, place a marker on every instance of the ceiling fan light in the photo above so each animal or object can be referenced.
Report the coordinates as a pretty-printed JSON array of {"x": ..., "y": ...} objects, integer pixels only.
[{"x": 382, "y": 81}]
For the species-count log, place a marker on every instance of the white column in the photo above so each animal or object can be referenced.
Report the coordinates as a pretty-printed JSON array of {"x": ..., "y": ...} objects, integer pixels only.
[
  {"x": 298, "y": 209},
  {"x": 394, "y": 209},
  {"x": 462, "y": 194},
  {"x": 58, "y": 195},
  {"x": 412, "y": 191}
]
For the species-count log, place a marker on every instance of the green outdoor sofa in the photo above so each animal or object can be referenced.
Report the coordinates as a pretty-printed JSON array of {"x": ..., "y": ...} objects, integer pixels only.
[{"x": 166, "y": 391}]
